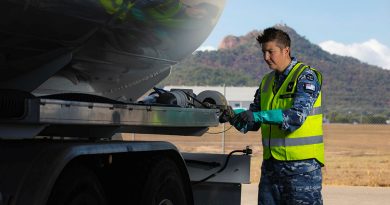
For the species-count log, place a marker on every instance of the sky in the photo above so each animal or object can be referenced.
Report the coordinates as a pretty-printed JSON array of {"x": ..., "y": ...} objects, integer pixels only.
[{"x": 356, "y": 28}]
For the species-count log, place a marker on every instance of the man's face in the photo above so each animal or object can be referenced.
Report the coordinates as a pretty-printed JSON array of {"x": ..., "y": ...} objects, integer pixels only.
[{"x": 277, "y": 58}]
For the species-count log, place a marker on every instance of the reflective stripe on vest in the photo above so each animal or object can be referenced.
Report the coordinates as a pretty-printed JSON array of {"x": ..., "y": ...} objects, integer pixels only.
[
  {"x": 292, "y": 141},
  {"x": 315, "y": 111}
]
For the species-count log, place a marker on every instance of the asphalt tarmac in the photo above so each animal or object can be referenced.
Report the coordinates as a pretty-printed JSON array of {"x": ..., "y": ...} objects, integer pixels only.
[{"x": 334, "y": 195}]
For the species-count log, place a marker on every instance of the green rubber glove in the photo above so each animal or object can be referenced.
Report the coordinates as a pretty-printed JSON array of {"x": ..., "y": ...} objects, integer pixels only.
[
  {"x": 238, "y": 111},
  {"x": 237, "y": 122},
  {"x": 245, "y": 121},
  {"x": 269, "y": 116}
]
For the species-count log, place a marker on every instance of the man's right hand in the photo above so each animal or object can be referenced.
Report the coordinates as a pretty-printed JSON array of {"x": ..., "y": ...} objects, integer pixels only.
[
  {"x": 246, "y": 116},
  {"x": 268, "y": 117},
  {"x": 243, "y": 121}
]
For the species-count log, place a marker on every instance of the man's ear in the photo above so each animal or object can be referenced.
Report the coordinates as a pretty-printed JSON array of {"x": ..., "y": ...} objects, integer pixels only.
[{"x": 286, "y": 50}]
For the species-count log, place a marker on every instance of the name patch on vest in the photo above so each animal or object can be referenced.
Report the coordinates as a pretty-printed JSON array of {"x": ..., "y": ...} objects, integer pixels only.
[{"x": 286, "y": 96}]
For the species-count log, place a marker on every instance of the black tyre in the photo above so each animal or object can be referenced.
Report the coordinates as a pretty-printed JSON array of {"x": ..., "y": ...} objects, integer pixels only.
[
  {"x": 77, "y": 185},
  {"x": 165, "y": 185}
]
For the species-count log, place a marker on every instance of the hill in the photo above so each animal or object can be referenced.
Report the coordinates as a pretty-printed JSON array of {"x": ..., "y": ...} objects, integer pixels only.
[{"x": 350, "y": 87}]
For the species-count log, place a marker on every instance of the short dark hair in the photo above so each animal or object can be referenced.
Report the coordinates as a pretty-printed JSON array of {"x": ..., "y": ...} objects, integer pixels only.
[{"x": 274, "y": 34}]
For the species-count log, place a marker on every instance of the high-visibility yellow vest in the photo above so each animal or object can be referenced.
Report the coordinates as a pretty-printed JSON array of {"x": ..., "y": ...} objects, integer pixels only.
[{"x": 304, "y": 143}]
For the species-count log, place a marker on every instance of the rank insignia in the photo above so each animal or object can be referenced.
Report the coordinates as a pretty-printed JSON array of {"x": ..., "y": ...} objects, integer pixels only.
[{"x": 290, "y": 87}]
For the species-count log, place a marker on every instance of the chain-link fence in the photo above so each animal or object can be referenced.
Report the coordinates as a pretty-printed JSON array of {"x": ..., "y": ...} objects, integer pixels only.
[{"x": 356, "y": 117}]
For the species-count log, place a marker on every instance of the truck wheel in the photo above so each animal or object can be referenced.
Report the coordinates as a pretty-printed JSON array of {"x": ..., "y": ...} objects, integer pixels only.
[
  {"x": 165, "y": 185},
  {"x": 77, "y": 185}
]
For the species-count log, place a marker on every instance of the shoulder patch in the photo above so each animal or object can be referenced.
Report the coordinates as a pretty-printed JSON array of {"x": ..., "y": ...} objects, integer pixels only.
[
  {"x": 309, "y": 77},
  {"x": 310, "y": 87}
]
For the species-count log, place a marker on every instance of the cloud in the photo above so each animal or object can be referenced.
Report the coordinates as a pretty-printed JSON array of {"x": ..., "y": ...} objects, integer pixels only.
[
  {"x": 371, "y": 51},
  {"x": 206, "y": 48}
]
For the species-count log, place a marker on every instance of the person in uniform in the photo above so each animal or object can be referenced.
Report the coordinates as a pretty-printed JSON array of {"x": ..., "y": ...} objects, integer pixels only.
[{"x": 287, "y": 107}]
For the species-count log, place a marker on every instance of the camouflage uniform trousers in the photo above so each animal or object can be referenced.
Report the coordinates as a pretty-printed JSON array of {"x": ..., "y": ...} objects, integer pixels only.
[{"x": 290, "y": 183}]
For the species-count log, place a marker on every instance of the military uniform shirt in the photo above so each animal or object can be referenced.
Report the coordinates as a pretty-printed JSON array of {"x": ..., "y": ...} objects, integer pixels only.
[{"x": 308, "y": 89}]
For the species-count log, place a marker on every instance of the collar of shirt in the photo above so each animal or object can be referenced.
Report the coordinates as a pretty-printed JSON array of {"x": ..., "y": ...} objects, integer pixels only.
[{"x": 281, "y": 77}]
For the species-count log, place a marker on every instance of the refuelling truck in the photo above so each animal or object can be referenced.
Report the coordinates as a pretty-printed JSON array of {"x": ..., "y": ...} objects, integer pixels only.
[{"x": 74, "y": 75}]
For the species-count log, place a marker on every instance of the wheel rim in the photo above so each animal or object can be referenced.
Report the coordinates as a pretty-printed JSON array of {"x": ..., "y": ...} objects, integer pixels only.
[{"x": 166, "y": 202}]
